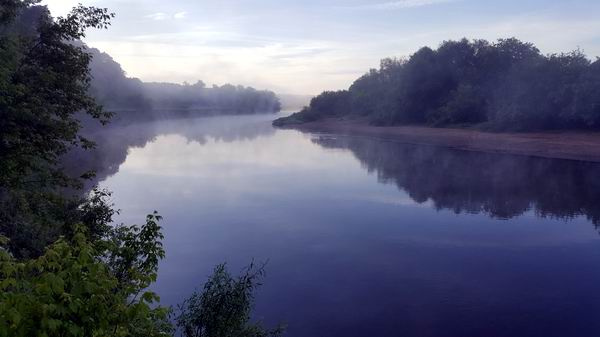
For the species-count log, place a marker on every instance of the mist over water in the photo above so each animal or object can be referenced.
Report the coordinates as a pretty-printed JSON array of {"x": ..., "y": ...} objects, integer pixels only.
[
  {"x": 150, "y": 184},
  {"x": 366, "y": 237}
]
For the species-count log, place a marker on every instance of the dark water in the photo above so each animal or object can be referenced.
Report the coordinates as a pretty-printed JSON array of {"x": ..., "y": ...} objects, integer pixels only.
[{"x": 368, "y": 237}]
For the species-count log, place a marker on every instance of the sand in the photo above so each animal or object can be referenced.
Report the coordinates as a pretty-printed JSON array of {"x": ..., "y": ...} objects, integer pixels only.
[{"x": 574, "y": 145}]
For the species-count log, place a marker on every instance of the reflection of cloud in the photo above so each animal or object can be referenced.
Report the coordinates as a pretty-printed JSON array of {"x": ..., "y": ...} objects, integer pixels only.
[
  {"x": 114, "y": 142},
  {"x": 174, "y": 155}
]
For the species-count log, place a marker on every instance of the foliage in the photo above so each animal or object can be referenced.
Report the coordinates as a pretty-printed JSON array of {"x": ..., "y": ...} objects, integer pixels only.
[
  {"x": 506, "y": 85},
  {"x": 223, "y": 308},
  {"x": 34, "y": 219},
  {"x": 72, "y": 291},
  {"x": 10, "y": 8},
  {"x": 44, "y": 79},
  {"x": 92, "y": 280},
  {"x": 134, "y": 253}
]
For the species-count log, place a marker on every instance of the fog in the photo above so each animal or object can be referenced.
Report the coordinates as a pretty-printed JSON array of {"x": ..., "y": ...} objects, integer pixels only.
[
  {"x": 116, "y": 91},
  {"x": 114, "y": 142}
]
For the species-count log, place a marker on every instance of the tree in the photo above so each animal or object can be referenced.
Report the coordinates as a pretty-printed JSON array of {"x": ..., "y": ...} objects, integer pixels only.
[
  {"x": 587, "y": 99},
  {"x": 44, "y": 79},
  {"x": 505, "y": 85},
  {"x": 223, "y": 307},
  {"x": 72, "y": 290}
]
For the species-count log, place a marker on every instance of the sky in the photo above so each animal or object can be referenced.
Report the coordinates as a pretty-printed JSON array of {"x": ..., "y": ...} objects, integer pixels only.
[{"x": 308, "y": 46}]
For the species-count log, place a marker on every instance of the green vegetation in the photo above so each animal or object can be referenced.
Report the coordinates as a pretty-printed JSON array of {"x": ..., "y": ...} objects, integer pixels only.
[
  {"x": 65, "y": 269},
  {"x": 44, "y": 79},
  {"x": 80, "y": 288},
  {"x": 506, "y": 85},
  {"x": 223, "y": 307}
]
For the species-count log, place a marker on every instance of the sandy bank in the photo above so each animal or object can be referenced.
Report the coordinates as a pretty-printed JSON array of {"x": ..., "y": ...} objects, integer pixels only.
[{"x": 561, "y": 145}]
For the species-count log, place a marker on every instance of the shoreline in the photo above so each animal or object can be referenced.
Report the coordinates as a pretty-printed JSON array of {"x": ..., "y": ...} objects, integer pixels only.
[{"x": 571, "y": 145}]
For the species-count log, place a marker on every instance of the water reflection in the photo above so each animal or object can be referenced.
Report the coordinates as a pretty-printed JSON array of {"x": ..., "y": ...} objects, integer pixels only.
[
  {"x": 501, "y": 186},
  {"x": 114, "y": 142}
]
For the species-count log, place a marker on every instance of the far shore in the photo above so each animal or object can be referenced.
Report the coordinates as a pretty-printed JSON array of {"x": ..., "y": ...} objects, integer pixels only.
[{"x": 573, "y": 145}]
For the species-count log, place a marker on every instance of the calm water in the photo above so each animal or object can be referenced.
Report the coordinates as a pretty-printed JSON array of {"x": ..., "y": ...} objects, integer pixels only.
[{"x": 367, "y": 237}]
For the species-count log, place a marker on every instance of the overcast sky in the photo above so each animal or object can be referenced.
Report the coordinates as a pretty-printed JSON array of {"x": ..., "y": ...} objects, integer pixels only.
[{"x": 307, "y": 46}]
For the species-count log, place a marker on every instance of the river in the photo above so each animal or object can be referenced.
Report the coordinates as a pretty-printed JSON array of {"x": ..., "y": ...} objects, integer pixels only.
[{"x": 365, "y": 237}]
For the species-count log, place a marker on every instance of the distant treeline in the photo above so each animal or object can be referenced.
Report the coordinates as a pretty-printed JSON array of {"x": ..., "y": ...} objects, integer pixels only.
[
  {"x": 115, "y": 91},
  {"x": 133, "y": 99},
  {"x": 506, "y": 85}
]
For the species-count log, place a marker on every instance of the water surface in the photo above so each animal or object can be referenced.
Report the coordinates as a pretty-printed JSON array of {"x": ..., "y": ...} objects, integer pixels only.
[{"x": 366, "y": 237}]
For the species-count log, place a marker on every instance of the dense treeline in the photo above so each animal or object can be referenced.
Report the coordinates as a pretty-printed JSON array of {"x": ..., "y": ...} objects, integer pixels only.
[
  {"x": 65, "y": 269},
  {"x": 506, "y": 85}
]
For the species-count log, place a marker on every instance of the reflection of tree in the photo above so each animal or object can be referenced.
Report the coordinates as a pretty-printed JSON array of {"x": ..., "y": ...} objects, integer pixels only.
[
  {"x": 114, "y": 141},
  {"x": 501, "y": 186}
]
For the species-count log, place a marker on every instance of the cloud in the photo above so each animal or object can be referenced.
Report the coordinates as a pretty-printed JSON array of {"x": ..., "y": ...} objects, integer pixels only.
[
  {"x": 60, "y": 8},
  {"x": 302, "y": 53},
  {"x": 179, "y": 15},
  {"x": 240, "y": 46},
  {"x": 157, "y": 16},
  {"x": 160, "y": 16},
  {"x": 403, "y": 4}
]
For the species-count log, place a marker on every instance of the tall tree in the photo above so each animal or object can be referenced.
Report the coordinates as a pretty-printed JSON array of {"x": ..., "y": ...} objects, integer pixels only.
[{"x": 44, "y": 80}]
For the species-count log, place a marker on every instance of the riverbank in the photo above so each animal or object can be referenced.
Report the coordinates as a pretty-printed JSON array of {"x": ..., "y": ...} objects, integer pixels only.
[{"x": 574, "y": 145}]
